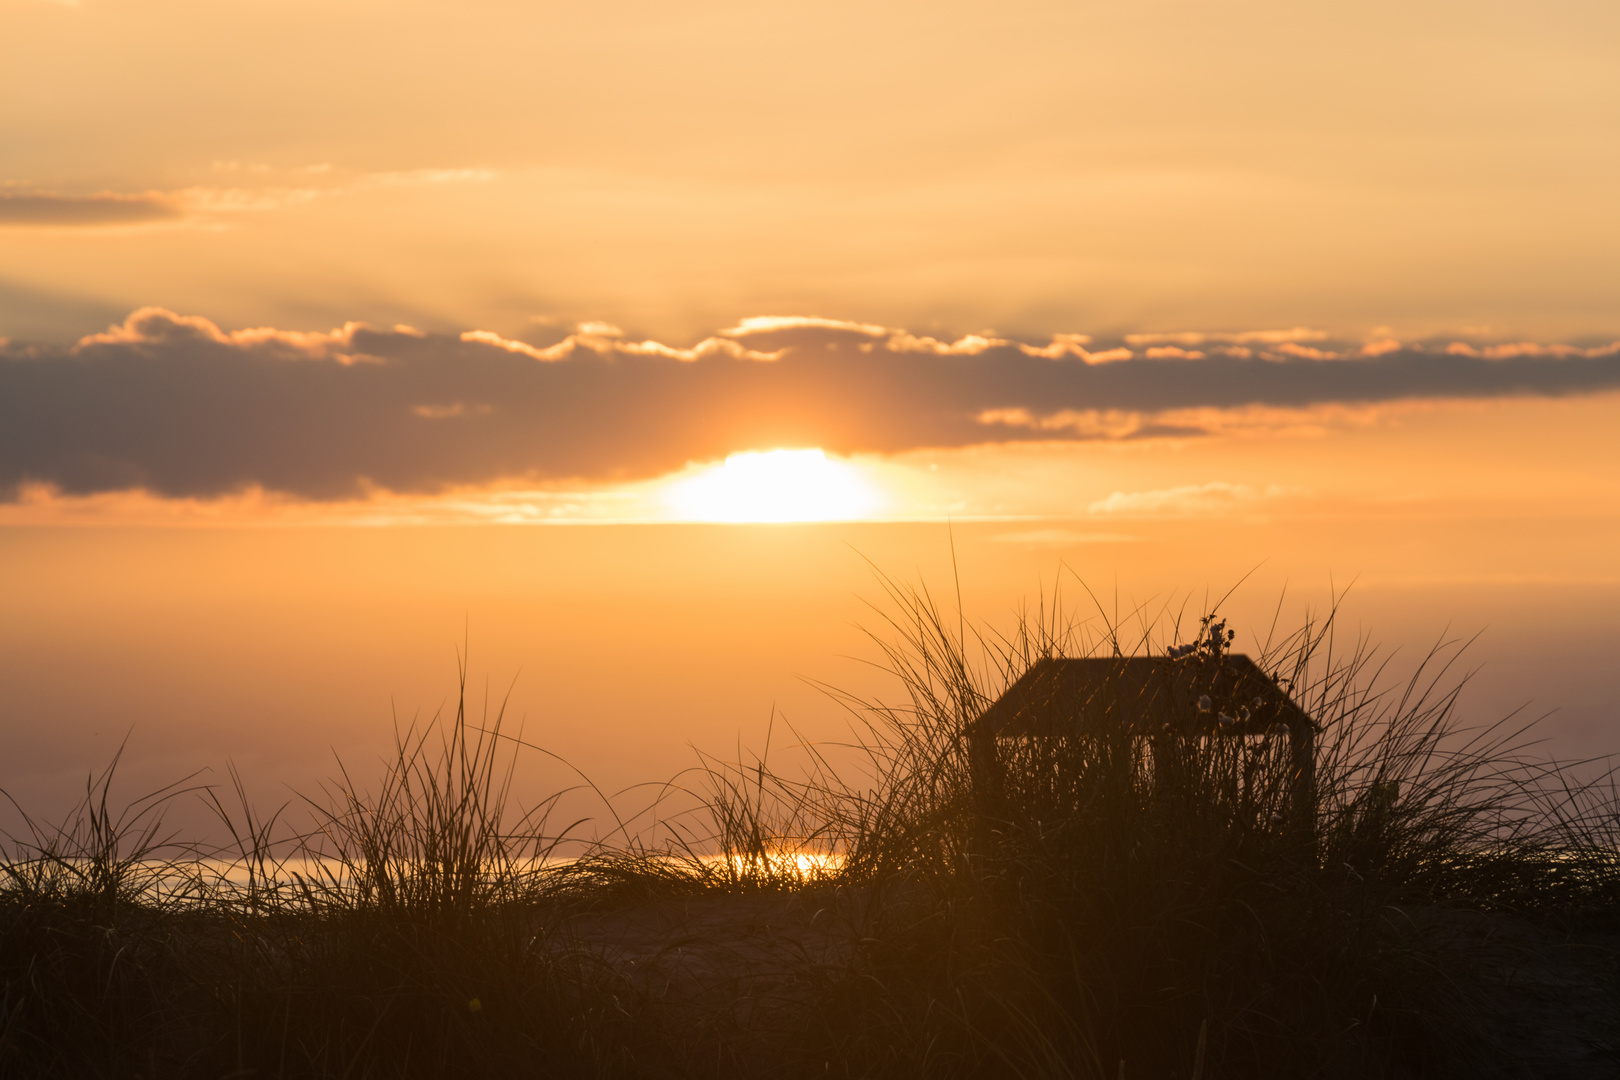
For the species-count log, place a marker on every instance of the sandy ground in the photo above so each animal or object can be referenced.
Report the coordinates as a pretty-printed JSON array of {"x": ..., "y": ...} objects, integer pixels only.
[
  {"x": 1553, "y": 996},
  {"x": 731, "y": 971},
  {"x": 744, "y": 968}
]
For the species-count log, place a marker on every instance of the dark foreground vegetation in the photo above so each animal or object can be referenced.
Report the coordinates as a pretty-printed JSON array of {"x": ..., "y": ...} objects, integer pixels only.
[{"x": 1093, "y": 922}]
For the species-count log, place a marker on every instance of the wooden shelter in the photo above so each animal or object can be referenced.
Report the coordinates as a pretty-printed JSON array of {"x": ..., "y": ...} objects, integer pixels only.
[{"x": 1199, "y": 695}]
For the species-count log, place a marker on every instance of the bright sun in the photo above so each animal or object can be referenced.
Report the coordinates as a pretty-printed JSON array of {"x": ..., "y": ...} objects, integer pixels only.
[{"x": 775, "y": 485}]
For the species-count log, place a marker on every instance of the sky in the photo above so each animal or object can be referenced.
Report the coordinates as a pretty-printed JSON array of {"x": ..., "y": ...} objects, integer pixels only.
[{"x": 621, "y": 340}]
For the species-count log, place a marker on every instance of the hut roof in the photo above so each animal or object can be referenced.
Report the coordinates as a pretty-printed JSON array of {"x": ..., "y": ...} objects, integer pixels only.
[{"x": 1141, "y": 694}]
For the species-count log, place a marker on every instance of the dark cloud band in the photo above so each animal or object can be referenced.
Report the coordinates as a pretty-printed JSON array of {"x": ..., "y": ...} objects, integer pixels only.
[
  {"x": 175, "y": 406},
  {"x": 37, "y": 208}
]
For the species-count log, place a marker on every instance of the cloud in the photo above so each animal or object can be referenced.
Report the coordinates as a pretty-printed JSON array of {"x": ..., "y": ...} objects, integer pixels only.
[
  {"x": 155, "y": 330},
  {"x": 1074, "y": 345},
  {"x": 44, "y": 208},
  {"x": 107, "y": 208},
  {"x": 452, "y": 410},
  {"x": 766, "y": 324},
  {"x": 1089, "y": 423},
  {"x": 177, "y": 406},
  {"x": 1513, "y": 349},
  {"x": 1192, "y": 500},
  {"x": 1246, "y": 337},
  {"x": 1266, "y": 421},
  {"x": 599, "y": 337}
]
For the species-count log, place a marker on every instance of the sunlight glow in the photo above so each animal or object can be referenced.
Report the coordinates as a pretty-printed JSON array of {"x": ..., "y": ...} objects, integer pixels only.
[
  {"x": 801, "y": 865},
  {"x": 775, "y": 486}
]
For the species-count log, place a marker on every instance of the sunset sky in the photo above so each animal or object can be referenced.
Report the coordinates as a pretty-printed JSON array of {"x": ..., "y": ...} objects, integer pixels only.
[{"x": 622, "y": 337}]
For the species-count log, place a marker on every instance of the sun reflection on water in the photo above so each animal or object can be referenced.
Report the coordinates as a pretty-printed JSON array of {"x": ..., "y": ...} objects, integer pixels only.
[{"x": 804, "y": 865}]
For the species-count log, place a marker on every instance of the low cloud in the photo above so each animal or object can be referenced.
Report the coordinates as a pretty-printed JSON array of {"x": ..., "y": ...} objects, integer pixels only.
[
  {"x": 179, "y": 407},
  {"x": 1192, "y": 500},
  {"x": 1292, "y": 336},
  {"x": 765, "y": 324},
  {"x": 43, "y": 208},
  {"x": 47, "y": 209}
]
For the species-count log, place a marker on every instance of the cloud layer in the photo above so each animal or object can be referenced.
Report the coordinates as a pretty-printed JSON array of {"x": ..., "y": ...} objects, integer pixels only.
[
  {"x": 179, "y": 407},
  {"x": 49, "y": 209},
  {"x": 111, "y": 209}
]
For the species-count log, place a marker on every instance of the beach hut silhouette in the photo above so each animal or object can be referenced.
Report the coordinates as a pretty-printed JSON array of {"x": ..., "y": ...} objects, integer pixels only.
[{"x": 1202, "y": 693}]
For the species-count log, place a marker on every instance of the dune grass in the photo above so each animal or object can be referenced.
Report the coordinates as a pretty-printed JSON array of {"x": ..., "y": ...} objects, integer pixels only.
[
  {"x": 1096, "y": 922},
  {"x": 1103, "y": 924}
]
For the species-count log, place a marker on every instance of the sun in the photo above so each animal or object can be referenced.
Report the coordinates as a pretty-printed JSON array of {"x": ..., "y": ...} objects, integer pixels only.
[{"x": 775, "y": 486}]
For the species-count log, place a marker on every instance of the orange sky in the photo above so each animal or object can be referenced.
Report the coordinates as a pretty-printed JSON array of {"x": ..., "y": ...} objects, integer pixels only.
[
  {"x": 1034, "y": 166},
  {"x": 309, "y": 311}
]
